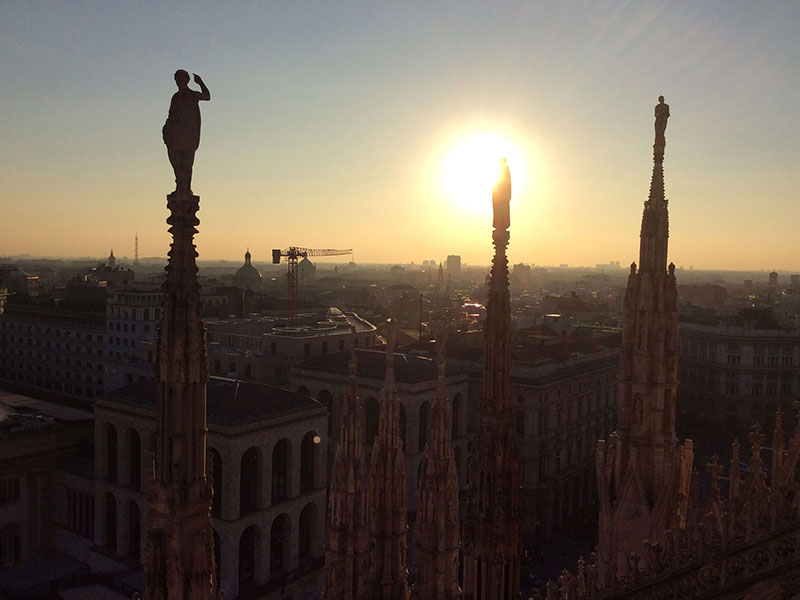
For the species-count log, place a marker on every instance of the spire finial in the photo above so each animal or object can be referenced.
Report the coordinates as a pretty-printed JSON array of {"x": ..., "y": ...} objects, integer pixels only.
[{"x": 661, "y": 115}]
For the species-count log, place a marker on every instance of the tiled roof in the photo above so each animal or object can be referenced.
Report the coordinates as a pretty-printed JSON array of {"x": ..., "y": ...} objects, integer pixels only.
[
  {"x": 372, "y": 365},
  {"x": 230, "y": 402}
]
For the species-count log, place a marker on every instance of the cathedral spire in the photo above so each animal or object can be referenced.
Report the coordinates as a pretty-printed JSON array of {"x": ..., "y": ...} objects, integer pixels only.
[
  {"x": 179, "y": 553},
  {"x": 436, "y": 534},
  {"x": 347, "y": 539},
  {"x": 646, "y": 492},
  {"x": 387, "y": 494},
  {"x": 491, "y": 533}
]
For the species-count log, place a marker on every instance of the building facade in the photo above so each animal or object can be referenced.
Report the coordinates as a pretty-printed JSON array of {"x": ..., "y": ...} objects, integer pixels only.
[
  {"x": 734, "y": 375},
  {"x": 325, "y": 378},
  {"x": 266, "y": 454}
]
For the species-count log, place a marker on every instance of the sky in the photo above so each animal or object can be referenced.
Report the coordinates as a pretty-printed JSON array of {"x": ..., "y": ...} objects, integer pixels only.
[{"x": 337, "y": 124}]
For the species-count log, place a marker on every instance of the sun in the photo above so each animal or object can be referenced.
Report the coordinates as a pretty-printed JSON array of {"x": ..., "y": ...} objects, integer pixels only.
[{"x": 470, "y": 169}]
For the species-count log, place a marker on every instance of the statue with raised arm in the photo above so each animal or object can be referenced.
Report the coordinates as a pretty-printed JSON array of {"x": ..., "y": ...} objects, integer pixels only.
[
  {"x": 661, "y": 114},
  {"x": 181, "y": 132}
]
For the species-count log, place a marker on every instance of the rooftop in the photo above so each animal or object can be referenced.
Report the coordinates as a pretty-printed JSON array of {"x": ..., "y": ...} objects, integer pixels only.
[
  {"x": 372, "y": 365},
  {"x": 230, "y": 401}
]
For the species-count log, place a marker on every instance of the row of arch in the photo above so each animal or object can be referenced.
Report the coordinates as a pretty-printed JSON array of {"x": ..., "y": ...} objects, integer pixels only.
[
  {"x": 250, "y": 473},
  {"x": 253, "y": 546},
  {"x": 249, "y": 468}
]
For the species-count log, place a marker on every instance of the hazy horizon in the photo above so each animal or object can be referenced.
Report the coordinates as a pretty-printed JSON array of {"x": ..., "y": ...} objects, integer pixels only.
[{"x": 331, "y": 125}]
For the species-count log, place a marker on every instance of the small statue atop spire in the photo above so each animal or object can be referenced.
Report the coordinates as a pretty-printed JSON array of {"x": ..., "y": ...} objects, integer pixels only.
[
  {"x": 181, "y": 132},
  {"x": 661, "y": 114},
  {"x": 501, "y": 197}
]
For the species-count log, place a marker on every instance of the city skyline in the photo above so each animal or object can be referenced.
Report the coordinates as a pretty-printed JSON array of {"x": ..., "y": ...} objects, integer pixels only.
[{"x": 332, "y": 128}]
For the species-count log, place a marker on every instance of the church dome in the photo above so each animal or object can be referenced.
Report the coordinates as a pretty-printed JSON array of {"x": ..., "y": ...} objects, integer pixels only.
[{"x": 247, "y": 275}]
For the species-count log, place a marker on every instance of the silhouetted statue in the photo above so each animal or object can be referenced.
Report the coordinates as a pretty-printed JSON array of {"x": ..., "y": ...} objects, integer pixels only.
[
  {"x": 501, "y": 197},
  {"x": 662, "y": 114},
  {"x": 181, "y": 132}
]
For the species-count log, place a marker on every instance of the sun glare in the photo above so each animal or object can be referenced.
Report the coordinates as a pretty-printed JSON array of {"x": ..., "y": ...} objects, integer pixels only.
[{"x": 471, "y": 168}]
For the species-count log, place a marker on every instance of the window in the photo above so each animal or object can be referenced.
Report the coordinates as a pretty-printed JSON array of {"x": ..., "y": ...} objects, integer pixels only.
[
  {"x": 307, "y": 458},
  {"x": 9, "y": 547},
  {"x": 307, "y": 349},
  {"x": 9, "y": 491},
  {"x": 273, "y": 348},
  {"x": 248, "y": 482},
  {"x": 325, "y": 347}
]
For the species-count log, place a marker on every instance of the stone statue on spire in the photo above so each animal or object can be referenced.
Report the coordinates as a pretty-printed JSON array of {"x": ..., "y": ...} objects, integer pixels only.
[
  {"x": 661, "y": 114},
  {"x": 181, "y": 132}
]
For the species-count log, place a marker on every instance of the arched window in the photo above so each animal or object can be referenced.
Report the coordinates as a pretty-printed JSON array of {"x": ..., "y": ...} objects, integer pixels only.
[
  {"x": 424, "y": 427},
  {"x": 134, "y": 530},
  {"x": 136, "y": 459},
  {"x": 280, "y": 470},
  {"x": 278, "y": 546},
  {"x": 247, "y": 558},
  {"x": 111, "y": 438},
  {"x": 248, "y": 482},
  {"x": 371, "y": 419},
  {"x": 519, "y": 423},
  {"x": 308, "y": 525},
  {"x": 216, "y": 481},
  {"x": 403, "y": 423},
  {"x": 308, "y": 455},
  {"x": 326, "y": 398},
  {"x": 456, "y": 407},
  {"x": 111, "y": 522}
]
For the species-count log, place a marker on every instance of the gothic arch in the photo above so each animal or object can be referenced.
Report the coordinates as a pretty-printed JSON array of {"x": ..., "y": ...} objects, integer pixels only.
[
  {"x": 279, "y": 546},
  {"x": 280, "y": 470},
  {"x": 309, "y": 460},
  {"x": 309, "y": 528},
  {"x": 250, "y": 545}
]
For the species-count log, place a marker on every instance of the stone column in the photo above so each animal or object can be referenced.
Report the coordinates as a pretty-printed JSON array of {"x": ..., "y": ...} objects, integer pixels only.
[
  {"x": 231, "y": 476},
  {"x": 265, "y": 478},
  {"x": 122, "y": 528},
  {"x": 123, "y": 458},
  {"x": 293, "y": 475},
  {"x": 293, "y": 542}
]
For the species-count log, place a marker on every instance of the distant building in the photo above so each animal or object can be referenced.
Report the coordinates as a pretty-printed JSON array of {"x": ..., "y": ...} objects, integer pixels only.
[
  {"x": 247, "y": 276},
  {"x": 325, "y": 378},
  {"x": 563, "y": 406},
  {"x": 35, "y": 438},
  {"x": 132, "y": 316},
  {"x": 56, "y": 350},
  {"x": 267, "y": 451},
  {"x": 454, "y": 265},
  {"x": 773, "y": 279},
  {"x": 735, "y": 375},
  {"x": 263, "y": 348},
  {"x": 17, "y": 281}
]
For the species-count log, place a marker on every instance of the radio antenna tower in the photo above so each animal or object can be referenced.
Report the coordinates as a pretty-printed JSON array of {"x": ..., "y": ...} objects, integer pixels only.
[{"x": 136, "y": 249}]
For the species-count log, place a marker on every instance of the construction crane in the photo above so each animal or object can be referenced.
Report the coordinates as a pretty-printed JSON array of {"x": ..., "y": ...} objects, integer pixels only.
[{"x": 292, "y": 254}]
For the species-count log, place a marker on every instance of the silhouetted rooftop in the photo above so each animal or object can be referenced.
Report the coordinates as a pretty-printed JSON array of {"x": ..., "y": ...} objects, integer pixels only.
[
  {"x": 230, "y": 402},
  {"x": 372, "y": 365}
]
